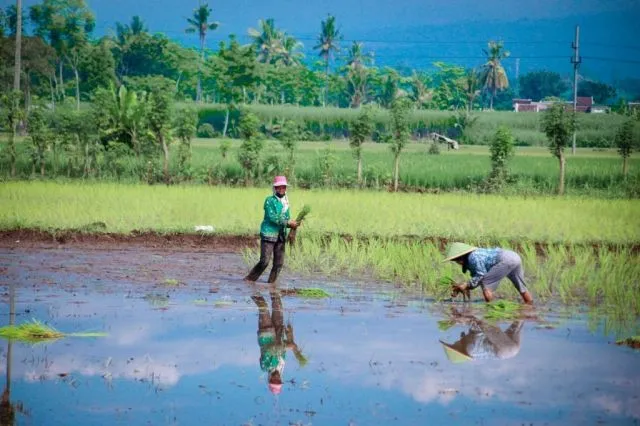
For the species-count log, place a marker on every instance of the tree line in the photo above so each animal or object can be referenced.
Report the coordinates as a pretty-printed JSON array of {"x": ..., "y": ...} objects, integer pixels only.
[{"x": 115, "y": 96}]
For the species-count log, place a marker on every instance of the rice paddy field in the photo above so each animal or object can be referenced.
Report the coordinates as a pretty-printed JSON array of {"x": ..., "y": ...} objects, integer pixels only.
[
  {"x": 117, "y": 310},
  {"x": 590, "y": 172}
]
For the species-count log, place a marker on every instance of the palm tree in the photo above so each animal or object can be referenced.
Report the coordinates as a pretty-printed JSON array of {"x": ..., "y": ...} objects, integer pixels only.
[
  {"x": 289, "y": 55},
  {"x": 327, "y": 44},
  {"x": 357, "y": 74},
  {"x": 200, "y": 23},
  {"x": 267, "y": 40},
  {"x": 137, "y": 26},
  {"x": 495, "y": 77},
  {"x": 470, "y": 85},
  {"x": 420, "y": 93}
]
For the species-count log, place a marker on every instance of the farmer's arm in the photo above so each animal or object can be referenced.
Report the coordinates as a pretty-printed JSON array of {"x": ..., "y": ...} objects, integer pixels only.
[
  {"x": 272, "y": 214},
  {"x": 477, "y": 269}
]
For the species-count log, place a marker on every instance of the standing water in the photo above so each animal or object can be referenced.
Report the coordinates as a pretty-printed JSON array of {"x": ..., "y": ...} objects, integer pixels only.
[{"x": 188, "y": 342}]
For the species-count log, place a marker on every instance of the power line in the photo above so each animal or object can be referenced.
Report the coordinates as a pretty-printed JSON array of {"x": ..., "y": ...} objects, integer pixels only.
[{"x": 212, "y": 38}]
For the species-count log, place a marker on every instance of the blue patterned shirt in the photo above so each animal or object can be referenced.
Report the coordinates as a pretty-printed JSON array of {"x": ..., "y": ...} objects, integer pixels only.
[{"x": 478, "y": 264}]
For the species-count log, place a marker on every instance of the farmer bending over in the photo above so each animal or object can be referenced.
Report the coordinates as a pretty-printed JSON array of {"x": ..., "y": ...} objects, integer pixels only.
[
  {"x": 487, "y": 267},
  {"x": 273, "y": 230},
  {"x": 485, "y": 341}
]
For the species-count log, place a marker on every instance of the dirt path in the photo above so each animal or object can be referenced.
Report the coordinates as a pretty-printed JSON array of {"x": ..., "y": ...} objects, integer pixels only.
[{"x": 215, "y": 242}]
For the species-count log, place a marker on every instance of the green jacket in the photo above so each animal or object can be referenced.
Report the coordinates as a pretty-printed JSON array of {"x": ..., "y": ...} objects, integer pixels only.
[{"x": 275, "y": 221}]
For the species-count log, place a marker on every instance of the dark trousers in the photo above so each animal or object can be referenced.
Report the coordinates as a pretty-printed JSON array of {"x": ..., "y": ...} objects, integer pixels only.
[{"x": 267, "y": 248}]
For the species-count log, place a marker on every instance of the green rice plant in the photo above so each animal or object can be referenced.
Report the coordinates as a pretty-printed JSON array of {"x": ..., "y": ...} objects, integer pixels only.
[
  {"x": 308, "y": 293},
  {"x": 37, "y": 332},
  {"x": 632, "y": 342},
  {"x": 502, "y": 310}
]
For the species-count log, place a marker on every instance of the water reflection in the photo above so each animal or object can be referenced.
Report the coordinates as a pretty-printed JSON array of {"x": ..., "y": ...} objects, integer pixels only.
[
  {"x": 7, "y": 408},
  {"x": 483, "y": 340},
  {"x": 274, "y": 339}
]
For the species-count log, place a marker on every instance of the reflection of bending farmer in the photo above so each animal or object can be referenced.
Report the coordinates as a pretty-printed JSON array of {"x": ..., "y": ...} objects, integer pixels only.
[
  {"x": 487, "y": 268},
  {"x": 485, "y": 341},
  {"x": 274, "y": 340}
]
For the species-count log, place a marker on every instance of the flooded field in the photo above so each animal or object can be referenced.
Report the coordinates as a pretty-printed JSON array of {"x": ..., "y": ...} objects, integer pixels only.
[{"x": 188, "y": 343}]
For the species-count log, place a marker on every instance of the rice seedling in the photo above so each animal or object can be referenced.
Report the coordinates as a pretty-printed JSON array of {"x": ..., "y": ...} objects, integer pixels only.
[
  {"x": 308, "y": 293},
  {"x": 502, "y": 310},
  {"x": 38, "y": 332},
  {"x": 632, "y": 342}
]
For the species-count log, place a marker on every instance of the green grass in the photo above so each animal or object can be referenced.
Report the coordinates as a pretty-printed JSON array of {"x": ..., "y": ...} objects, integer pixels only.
[
  {"x": 238, "y": 211},
  {"x": 37, "y": 332}
]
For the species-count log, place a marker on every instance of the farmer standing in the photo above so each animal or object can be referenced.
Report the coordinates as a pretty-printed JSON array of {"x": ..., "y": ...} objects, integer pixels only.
[
  {"x": 273, "y": 230},
  {"x": 487, "y": 267}
]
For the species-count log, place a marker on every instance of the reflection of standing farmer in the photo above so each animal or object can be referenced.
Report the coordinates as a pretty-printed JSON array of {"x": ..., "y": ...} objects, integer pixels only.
[
  {"x": 485, "y": 341},
  {"x": 273, "y": 230},
  {"x": 274, "y": 339},
  {"x": 487, "y": 268}
]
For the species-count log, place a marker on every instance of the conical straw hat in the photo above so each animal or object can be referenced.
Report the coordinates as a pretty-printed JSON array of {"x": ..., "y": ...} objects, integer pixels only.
[
  {"x": 457, "y": 250},
  {"x": 454, "y": 355}
]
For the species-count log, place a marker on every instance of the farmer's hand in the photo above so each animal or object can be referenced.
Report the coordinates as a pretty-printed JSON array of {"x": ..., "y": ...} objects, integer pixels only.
[
  {"x": 292, "y": 224},
  {"x": 457, "y": 289}
]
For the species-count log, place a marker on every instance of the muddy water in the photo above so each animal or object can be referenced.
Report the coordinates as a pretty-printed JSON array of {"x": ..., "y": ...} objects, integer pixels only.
[{"x": 183, "y": 349}]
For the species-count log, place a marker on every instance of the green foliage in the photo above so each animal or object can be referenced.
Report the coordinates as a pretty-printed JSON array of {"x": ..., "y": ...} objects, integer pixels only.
[
  {"x": 625, "y": 140},
  {"x": 399, "y": 125},
  {"x": 184, "y": 124},
  {"x": 224, "y": 147},
  {"x": 539, "y": 85},
  {"x": 206, "y": 130},
  {"x": 11, "y": 113},
  {"x": 501, "y": 150},
  {"x": 601, "y": 92},
  {"x": 558, "y": 124},
  {"x": 360, "y": 130},
  {"x": 40, "y": 135},
  {"x": 252, "y": 144},
  {"x": 326, "y": 163},
  {"x": 249, "y": 126}
]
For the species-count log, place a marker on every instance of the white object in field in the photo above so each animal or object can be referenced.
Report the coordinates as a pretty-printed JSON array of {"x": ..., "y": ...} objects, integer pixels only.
[{"x": 205, "y": 228}]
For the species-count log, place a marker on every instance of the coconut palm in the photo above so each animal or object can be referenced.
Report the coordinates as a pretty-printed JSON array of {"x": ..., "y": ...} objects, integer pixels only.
[
  {"x": 200, "y": 23},
  {"x": 470, "y": 85},
  {"x": 267, "y": 40},
  {"x": 328, "y": 43},
  {"x": 289, "y": 54},
  {"x": 495, "y": 77},
  {"x": 357, "y": 74}
]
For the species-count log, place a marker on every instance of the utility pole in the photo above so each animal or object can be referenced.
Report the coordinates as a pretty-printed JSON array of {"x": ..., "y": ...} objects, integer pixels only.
[
  {"x": 576, "y": 60},
  {"x": 518, "y": 77},
  {"x": 18, "y": 50}
]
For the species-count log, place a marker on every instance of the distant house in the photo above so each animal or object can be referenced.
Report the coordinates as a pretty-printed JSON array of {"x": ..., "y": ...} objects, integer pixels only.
[{"x": 583, "y": 104}]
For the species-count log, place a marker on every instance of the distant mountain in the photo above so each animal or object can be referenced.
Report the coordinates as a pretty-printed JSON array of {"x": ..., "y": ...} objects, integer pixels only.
[{"x": 538, "y": 44}]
